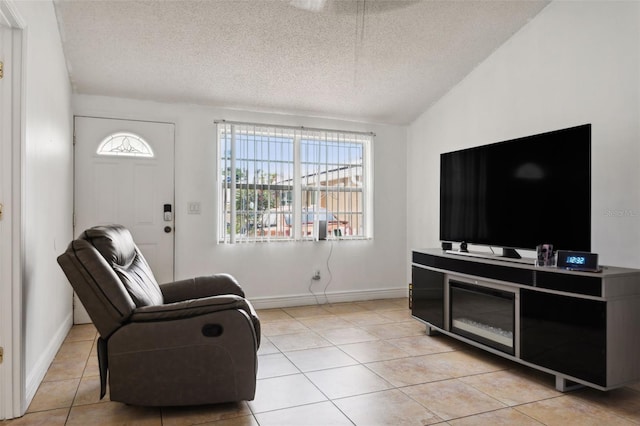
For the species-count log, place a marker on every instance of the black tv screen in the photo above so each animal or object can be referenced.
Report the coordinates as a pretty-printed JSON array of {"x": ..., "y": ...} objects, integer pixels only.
[{"x": 520, "y": 193}]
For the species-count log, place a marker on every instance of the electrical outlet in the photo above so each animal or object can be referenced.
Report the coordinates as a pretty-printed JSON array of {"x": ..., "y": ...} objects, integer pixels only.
[{"x": 316, "y": 274}]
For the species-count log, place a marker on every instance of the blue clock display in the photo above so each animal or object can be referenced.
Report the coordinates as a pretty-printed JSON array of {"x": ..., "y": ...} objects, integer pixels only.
[{"x": 576, "y": 260}]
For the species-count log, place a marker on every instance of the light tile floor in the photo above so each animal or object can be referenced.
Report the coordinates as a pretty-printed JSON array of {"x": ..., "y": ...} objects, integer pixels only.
[{"x": 363, "y": 363}]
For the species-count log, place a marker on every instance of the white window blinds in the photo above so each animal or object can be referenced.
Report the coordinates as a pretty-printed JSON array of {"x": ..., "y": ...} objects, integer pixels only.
[{"x": 281, "y": 183}]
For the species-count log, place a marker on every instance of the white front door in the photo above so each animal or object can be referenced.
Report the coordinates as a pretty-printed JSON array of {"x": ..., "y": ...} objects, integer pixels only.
[{"x": 123, "y": 184}]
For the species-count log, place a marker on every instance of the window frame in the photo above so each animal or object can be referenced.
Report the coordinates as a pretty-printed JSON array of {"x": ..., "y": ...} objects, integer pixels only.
[{"x": 228, "y": 185}]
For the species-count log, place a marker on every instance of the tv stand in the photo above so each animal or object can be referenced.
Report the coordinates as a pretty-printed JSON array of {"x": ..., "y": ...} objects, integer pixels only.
[{"x": 579, "y": 326}]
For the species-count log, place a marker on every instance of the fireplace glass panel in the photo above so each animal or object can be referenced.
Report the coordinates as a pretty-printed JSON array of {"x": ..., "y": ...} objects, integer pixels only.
[{"x": 484, "y": 315}]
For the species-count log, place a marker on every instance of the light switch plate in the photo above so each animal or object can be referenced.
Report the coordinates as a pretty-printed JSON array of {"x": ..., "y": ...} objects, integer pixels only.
[{"x": 193, "y": 207}]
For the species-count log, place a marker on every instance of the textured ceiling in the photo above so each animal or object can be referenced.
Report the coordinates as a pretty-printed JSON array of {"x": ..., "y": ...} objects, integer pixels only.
[{"x": 376, "y": 61}]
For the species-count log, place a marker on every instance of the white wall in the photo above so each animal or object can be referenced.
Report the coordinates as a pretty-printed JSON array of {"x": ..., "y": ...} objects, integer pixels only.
[
  {"x": 575, "y": 63},
  {"x": 47, "y": 189},
  {"x": 276, "y": 274}
]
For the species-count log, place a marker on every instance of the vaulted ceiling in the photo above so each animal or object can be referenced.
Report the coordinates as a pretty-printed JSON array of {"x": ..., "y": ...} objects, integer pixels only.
[{"x": 366, "y": 60}]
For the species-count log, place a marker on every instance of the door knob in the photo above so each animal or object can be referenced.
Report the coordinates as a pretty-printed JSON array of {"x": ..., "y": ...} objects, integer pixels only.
[{"x": 167, "y": 229}]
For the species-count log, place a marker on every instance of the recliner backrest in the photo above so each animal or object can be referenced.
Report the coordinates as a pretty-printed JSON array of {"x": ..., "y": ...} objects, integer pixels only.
[
  {"x": 115, "y": 244},
  {"x": 110, "y": 276}
]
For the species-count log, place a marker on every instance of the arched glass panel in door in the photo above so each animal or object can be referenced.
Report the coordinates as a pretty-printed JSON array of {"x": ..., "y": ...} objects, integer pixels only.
[{"x": 125, "y": 144}]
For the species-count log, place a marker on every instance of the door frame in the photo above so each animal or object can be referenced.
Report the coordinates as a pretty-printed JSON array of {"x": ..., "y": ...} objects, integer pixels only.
[{"x": 12, "y": 374}]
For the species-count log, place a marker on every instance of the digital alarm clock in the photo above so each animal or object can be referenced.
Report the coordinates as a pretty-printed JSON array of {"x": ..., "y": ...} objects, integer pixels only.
[{"x": 578, "y": 261}]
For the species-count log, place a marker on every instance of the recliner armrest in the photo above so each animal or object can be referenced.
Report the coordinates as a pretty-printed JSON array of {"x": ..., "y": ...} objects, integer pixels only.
[
  {"x": 190, "y": 308},
  {"x": 199, "y": 287}
]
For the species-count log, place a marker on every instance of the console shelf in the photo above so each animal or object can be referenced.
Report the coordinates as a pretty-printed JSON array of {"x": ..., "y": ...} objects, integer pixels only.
[{"x": 583, "y": 327}]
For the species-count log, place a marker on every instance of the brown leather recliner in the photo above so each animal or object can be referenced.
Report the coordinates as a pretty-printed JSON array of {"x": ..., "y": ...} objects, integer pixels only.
[{"x": 189, "y": 342}]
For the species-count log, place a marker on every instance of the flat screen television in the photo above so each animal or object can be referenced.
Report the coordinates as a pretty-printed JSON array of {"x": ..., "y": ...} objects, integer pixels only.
[{"x": 520, "y": 193}]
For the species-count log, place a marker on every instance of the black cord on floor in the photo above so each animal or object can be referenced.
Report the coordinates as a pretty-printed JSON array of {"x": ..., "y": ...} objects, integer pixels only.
[
  {"x": 324, "y": 291},
  {"x": 330, "y": 275}
]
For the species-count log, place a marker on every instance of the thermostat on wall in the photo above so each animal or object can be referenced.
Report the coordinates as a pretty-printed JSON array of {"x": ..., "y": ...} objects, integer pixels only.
[{"x": 578, "y": 261}]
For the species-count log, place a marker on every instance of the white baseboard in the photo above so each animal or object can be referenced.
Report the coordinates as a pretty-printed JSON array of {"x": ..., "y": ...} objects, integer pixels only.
[
  {"x": 35, "y": 377},
  {"x": 331, "y": 297}
]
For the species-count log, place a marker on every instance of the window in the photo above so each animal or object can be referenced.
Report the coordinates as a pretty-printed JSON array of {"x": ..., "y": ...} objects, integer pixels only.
[
  {"x": 125, "y": 144},
  {"x": 280, "y": 183}
]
